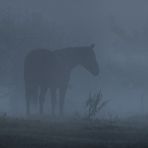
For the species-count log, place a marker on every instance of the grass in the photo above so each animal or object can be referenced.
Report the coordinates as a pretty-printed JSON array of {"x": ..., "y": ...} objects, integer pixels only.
[{"x": 40, "y": 132}]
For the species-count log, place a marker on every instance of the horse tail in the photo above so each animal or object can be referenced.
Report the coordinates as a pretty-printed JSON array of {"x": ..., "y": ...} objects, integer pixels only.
[{"x": 31, "y": 92}]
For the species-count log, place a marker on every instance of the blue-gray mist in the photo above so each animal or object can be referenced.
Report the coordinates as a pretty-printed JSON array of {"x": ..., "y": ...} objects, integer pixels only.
[{"x": 119, "y": 30}]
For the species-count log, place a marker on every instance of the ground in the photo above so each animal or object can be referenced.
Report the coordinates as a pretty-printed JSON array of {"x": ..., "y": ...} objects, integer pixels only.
[{"x": 72, "y": 133}]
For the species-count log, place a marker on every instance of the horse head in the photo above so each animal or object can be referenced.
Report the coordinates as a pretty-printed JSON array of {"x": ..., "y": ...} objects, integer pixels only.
[{"x": 88, "y": 60}]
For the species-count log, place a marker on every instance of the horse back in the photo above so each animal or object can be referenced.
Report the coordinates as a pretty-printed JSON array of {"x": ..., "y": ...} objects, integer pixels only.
[{"x": 39, "y": 65}]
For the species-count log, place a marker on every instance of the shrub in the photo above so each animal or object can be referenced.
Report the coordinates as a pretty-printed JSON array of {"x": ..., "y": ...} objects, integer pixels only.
[{"x": 95, "y": 104}]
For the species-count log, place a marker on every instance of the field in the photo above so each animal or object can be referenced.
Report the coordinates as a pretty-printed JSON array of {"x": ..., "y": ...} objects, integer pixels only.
[{"x": 72, "y": 133}]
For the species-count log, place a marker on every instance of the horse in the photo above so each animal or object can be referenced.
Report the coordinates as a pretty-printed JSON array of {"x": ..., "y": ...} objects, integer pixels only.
[{"x": 45, "y": 69}]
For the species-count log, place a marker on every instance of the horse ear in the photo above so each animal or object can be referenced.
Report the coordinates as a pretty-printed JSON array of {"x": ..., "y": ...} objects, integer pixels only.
[{"x": 92, "y": 45}]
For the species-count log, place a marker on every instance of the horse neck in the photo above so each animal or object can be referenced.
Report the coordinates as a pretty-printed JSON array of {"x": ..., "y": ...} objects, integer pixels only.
[{"x": 70, "y": 57}]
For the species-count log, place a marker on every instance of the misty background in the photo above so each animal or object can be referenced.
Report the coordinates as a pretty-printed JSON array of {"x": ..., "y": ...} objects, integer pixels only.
[{"x": 119, "y": 30}]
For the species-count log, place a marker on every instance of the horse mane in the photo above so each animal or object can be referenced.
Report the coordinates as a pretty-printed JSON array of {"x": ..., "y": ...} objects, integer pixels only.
[{"x": 71, "y": 50}]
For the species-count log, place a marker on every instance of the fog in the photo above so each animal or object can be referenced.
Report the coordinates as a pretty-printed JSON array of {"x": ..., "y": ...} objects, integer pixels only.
[{"x": 119, "y": 30}]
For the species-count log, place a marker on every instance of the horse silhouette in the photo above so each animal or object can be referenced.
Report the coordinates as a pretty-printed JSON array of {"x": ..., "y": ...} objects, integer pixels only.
[{"x": 45, "y": 69}]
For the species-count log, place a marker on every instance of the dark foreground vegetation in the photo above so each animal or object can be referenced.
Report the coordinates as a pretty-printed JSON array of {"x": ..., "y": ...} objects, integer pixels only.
[{"x": 69, "y": 133}]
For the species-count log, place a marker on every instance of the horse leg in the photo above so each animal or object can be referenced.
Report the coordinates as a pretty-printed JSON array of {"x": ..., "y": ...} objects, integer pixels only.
[
  {"x": 28, "y": 98},
  {"x": 62, "y": 93},
  {"x": 35, "y": 95},
  {"x": 28, "y": 104},
  {"x": 43, "y": 91},
  {"x": 53, "y": 101}
]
